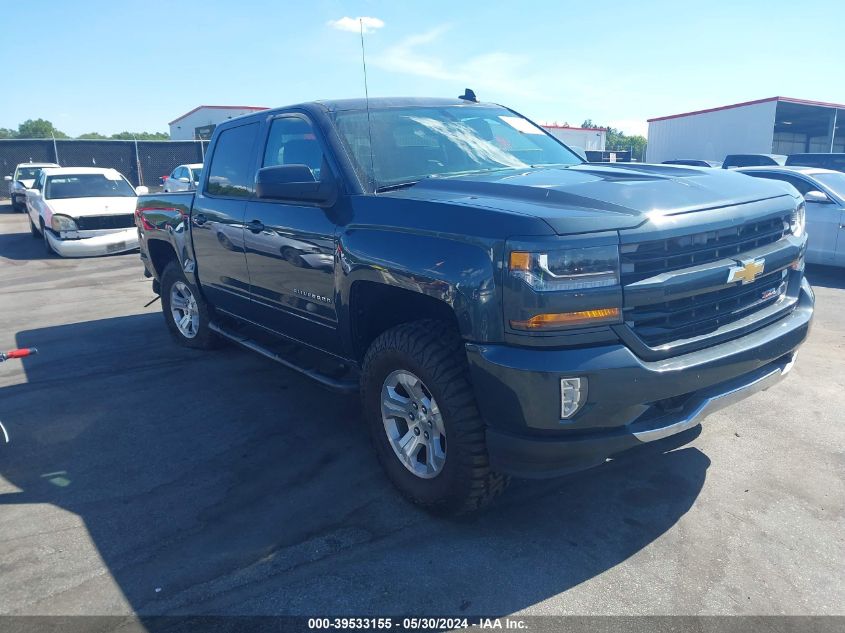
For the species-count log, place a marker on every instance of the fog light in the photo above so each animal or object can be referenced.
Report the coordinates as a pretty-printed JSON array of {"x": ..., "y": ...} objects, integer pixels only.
[{"x": 573, "y": 392}]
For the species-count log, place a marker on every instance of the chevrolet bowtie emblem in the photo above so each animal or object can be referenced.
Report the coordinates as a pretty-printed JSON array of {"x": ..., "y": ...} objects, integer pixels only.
[{"x": 747, "y": 271}]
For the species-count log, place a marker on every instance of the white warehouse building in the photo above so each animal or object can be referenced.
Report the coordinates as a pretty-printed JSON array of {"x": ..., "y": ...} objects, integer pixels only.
[
  {"x": 200, "y": 122},
  {"x": 777, "y": 125},
  {"x": 592, "y": 138}
]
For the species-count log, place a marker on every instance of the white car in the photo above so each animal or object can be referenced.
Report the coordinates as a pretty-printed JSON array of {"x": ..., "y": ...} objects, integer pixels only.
[
  {"x": 83, "y": 211},
  {"x": 183, "y": 178},
  {"x": 24, "y": 177},
  {"x": 824, "y": 195}
]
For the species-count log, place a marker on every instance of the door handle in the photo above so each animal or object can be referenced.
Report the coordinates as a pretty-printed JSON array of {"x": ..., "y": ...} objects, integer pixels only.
[
  {"x": 256, "y": 226},
  {"x": 200, "y": 219}
]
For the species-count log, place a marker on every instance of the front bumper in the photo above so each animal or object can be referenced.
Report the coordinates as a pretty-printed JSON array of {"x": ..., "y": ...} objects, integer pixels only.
[
  {"x": 104, "y": 244},
  {"x": 629, "y": 402}
]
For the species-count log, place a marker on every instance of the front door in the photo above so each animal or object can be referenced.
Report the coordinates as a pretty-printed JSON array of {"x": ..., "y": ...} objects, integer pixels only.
[
  {"x": 217, "y": 220},
  {"x": 290, "y": 247}
]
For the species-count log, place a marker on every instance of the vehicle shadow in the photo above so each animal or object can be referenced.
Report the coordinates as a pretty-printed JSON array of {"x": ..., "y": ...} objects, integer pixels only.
[
  {"x": 826, "y": 276},
  {"x": 219, "y": 483}
]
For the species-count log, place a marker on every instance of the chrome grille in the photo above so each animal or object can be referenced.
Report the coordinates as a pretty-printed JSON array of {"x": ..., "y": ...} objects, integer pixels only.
[
  {"x": 101, "y": 222},
  {"x": 646, "y": 259}
]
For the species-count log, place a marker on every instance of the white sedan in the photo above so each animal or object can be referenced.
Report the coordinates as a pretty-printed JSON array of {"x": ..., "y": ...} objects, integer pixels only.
[
  {"x": 83, "y": 211},
  {"x": 24, "y": 177}
]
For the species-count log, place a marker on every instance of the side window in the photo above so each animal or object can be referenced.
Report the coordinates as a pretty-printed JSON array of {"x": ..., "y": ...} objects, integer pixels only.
[
  {"x": 230, "y": 173},
  {"x": 292, "y": 142},
  {"x": 175, "y": 173},
  {"x": 799, "y": 183}
]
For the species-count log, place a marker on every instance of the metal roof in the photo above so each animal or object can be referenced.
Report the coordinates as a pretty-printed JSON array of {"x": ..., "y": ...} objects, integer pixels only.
[
  {"x": 748, "y": 103},
  {"x": 217, "y": 107}
]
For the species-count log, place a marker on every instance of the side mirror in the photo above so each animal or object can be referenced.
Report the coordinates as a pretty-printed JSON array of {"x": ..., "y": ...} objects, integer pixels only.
[
  {"x": 295, "y": 183},
  {"x": 7, "y": 178},
  {"x": 183, "y": 179},
  {"x": 142, "y": 190},
  {"x": 818, "y": 197}
]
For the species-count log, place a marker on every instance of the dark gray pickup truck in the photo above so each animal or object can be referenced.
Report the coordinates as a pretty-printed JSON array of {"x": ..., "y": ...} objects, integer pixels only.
[{"x": 504, "y": 308}]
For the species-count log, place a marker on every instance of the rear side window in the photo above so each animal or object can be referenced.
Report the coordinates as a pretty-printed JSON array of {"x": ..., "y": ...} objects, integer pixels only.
[{"x": 230, "y": 173}]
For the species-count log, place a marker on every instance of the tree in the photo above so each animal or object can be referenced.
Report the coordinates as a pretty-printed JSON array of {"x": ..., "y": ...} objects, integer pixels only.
[
  {"x": 617, "y": 140},
  {"x": 7, "y": 133},
  {"x": 39, "y": 128},
  {"x": 92, "y": 135},
  {"x": 141, "y": 136}
]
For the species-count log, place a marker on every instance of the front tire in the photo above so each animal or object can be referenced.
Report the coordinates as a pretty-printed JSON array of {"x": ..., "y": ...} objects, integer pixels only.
[
  {"x": 47, "y": 248},
  {"x": 185, "y": 311},
  {"x": 423, "y": 419},
  {"x": 33, "y": 230}
]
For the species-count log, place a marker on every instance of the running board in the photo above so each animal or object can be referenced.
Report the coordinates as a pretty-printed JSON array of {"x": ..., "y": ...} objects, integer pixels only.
[{"x": 336, "y": 384}]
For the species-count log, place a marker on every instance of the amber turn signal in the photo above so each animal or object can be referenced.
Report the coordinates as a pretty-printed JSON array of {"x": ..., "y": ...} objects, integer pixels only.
[
  {"x": 567, "y": 319},
  {"x": 520, "y": 261}
]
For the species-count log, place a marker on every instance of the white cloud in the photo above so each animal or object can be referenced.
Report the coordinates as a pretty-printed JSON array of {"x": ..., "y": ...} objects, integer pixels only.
[
  {"x": 354, "y": 25},
  {"x": 491, "y": 72}
]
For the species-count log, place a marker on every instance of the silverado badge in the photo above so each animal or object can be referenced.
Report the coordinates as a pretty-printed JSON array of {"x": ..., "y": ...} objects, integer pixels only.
[{"x": 747, "y": 271}]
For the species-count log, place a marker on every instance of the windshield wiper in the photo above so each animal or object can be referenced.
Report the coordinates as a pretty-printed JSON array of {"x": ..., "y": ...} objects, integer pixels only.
[{"x": 398, "y": 185}]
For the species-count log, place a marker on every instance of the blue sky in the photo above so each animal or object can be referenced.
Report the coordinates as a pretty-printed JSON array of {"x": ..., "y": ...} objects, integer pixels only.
[{"x": 112, "y": 66}]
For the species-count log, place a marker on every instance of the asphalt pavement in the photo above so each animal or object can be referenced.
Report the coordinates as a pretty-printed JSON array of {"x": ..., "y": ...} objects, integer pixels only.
[{"x": 146, "y": 478}]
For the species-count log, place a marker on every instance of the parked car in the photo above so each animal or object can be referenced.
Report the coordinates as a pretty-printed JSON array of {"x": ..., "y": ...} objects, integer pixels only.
[
  {"x": 752, "y": 160},
  {"x": 835, "y": 161},
  {"x": 824, "y": 194},
  {"x": 692, "y": 162},
  {"x": 83, "y": 211},
  {"x": 503, "y": 308},
  {"x": 24, "y": 177},
  {"x": 183, "y": 178}
]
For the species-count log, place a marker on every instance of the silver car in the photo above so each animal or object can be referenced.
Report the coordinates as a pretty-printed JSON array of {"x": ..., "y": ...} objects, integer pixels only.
[
  {"x": 183, "y": 178},
  {"x": 824, "y": 194}
]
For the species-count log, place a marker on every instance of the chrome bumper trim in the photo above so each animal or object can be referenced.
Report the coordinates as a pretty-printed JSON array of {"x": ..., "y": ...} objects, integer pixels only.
[{"x": 710, "y": 401}]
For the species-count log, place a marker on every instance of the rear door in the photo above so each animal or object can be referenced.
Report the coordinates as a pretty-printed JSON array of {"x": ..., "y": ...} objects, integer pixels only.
[
  {"x": 290, "y": 246},
  {"x": 217, "y": 219}
]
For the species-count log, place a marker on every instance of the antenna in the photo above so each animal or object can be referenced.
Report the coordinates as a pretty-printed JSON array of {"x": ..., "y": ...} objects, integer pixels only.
[{"x": 367, "y": 101}]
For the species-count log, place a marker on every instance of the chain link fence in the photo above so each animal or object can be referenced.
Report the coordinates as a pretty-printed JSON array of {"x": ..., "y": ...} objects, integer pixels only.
[{"x": 142, "y": 162}]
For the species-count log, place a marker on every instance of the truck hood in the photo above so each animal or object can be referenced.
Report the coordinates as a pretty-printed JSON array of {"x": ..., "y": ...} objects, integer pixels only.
[
  {"x": 590, "y": 198},
  {"x": 27, "y": 183},
  {"x": 84, "y": 207}
]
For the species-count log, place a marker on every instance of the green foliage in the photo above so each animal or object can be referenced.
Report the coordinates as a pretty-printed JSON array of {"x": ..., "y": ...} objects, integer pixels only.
[
  {"x": 39, "y": 128},
  {"x": 617, "y": 140},
  {"x": 141, "y": 136}
]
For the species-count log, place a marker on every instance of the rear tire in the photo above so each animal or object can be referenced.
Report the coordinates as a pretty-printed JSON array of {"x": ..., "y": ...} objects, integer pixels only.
[
  {"x": 185, "y": 311},
  {"x": 432, "y": 352}
]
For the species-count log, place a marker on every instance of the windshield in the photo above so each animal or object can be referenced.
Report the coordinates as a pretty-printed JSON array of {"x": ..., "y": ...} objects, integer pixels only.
[
  {"x": 413, "y": 143},
  {"x": 87, "y": 186},
  {"x": 28, "y": 173},
  {"x": 834, "y": 182}
]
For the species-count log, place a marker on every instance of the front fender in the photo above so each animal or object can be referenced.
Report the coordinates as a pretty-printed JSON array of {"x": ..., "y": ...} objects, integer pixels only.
[{"x": 463, "y": 273}]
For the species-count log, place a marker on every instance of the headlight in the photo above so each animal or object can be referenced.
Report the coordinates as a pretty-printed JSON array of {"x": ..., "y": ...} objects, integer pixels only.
[
  {"x": 571, "y": 269},
  {"x": 63, "y": 223},
  {"x": 797, "y": 219}
]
